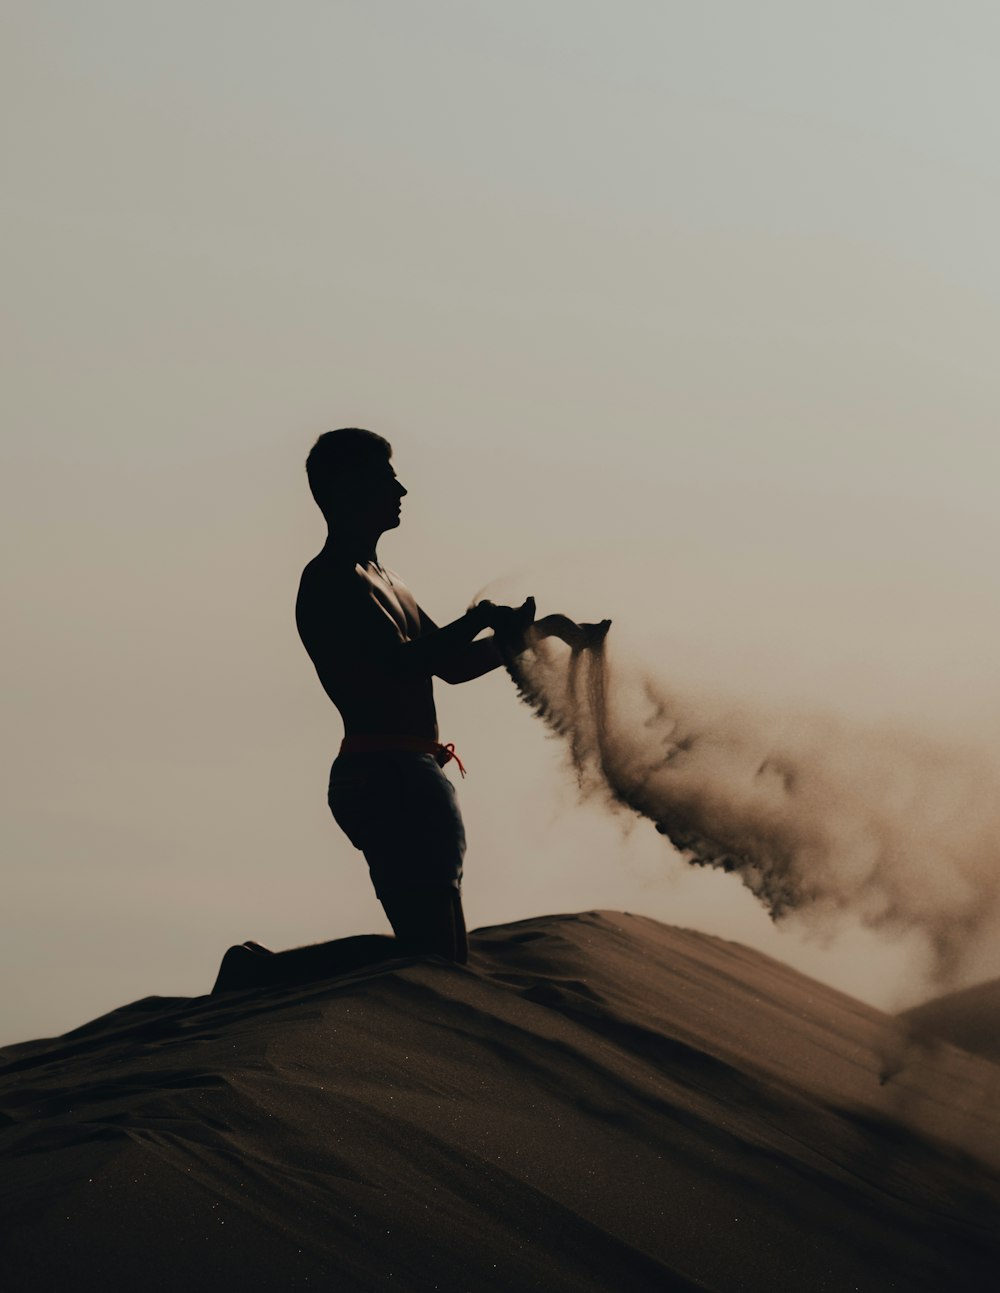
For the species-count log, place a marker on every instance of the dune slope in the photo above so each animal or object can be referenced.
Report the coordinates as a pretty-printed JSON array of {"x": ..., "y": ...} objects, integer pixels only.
[
  {"x": 597, "y": 1101},
  {"x": 969, "y": 1019}
]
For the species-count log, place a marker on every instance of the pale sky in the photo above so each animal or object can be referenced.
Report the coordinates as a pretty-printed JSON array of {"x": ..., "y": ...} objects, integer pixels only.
[{"x": 684, "y": 311}]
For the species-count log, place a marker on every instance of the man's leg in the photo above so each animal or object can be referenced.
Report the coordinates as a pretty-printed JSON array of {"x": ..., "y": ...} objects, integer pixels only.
[
  {"x": 243, "y": 967},
  {"x": 461, "y": 937},
  {"x": 428, "y": 918}
]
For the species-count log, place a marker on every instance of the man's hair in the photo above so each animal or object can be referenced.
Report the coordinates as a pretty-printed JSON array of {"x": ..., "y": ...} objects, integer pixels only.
[{"x": 339, "y": 451}]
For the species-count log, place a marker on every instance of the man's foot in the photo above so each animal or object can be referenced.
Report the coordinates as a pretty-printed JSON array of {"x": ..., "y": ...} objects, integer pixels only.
[
  {"x": 257, "y": 947},
  {"x": 241, "y": 969}
]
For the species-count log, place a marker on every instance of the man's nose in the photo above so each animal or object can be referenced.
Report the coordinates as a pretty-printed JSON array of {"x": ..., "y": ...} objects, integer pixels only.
[{"x": 401, "y": 488}]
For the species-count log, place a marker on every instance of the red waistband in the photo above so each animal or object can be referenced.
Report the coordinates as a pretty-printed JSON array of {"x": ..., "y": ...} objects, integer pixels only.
[{"x": 379, "y": 743}]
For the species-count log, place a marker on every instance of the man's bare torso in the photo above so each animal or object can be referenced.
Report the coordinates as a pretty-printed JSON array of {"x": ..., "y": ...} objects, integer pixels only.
[{"x": 351, "y": 618}]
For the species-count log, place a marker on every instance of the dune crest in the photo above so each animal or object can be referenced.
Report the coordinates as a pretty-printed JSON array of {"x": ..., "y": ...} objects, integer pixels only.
[
  {"x": 969, "y": 1019},
  {"x": 597, "y": 1101}
]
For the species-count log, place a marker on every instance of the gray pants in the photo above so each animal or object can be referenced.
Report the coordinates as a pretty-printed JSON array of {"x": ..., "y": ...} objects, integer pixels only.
[{"x": 401, "y": 811}]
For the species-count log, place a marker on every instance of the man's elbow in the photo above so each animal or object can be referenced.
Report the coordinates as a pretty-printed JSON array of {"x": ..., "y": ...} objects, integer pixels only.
[
  {"x": 451, "y": 674},
  {"x": 464, "y": 669}
]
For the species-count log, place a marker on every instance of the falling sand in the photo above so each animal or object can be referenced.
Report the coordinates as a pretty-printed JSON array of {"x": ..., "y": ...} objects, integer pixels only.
[{"x": 817, "y": 815}]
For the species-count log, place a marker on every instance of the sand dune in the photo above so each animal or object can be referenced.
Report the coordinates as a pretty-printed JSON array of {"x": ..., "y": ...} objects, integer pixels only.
[
  {"x": 969, "y": 1019},
  {"x": 596, "y": 1101}
]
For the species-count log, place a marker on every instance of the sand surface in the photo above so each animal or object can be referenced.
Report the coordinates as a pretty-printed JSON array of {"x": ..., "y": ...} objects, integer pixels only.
[
  {"x": 969, "y": 1019},
  {"x": 597, "y": 1101}
]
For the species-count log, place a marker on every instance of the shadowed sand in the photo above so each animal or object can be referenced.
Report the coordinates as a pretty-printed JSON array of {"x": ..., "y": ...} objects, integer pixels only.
[
  {"x": 595, "y": 1101},
  {"x": 969, "y": 1019}
]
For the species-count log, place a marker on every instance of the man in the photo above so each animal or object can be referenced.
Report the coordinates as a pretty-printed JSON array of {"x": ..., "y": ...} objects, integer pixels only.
[{"x": 376, "y": 653}]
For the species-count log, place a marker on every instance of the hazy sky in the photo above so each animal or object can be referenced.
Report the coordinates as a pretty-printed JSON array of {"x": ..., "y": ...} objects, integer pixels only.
[{"x": 685, "y": 312}]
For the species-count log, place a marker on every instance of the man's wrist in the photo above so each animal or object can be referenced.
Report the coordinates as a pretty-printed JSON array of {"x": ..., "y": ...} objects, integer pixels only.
[{"x": 481, "y": 615}]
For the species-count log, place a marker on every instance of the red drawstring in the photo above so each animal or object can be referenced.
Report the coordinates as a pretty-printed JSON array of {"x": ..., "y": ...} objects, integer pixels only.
[
  {"x": 377, "y": 742},
  {"x": 448, "y": 753}
]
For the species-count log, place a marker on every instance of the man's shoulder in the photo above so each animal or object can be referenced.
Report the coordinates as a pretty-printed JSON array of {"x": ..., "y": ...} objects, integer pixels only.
[
  {"x": 326, "y": 571},
  {"x": 327, "y": 582}
]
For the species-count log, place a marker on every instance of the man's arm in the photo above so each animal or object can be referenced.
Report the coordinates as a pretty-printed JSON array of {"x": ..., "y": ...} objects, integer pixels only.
[
  {"x": 466, "y": 662},
  {"x": 450, "y": 653},
  {"x": 346, "y": 628},
  {"x": 509, "y": 624},
  {"x": 439, "y": 651},
  {"x": 346, "y": 623}
]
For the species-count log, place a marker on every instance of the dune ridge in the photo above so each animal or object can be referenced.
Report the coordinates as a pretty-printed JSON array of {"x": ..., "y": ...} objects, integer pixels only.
[
  {"x": 597, "y": 1101},
  {"x": 969, "y": 1019}
]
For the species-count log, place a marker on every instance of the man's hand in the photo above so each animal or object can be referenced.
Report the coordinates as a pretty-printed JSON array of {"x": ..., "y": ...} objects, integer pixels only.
[
  {"x": 509, "y": 623},
  {"x": 594, "y": 634},
  {"x": 578, "y": 637}
]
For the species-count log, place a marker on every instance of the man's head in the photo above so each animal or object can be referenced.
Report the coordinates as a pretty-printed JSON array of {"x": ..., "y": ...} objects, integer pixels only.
[{"x": 352, "y": 480}]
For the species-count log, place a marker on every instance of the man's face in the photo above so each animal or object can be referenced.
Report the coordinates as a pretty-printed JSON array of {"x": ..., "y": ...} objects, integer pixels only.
[{"x": 372, "y": 495}]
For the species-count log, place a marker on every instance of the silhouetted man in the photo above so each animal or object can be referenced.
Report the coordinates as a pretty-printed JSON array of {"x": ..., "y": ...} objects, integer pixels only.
[{"x": 376, "y": 652}]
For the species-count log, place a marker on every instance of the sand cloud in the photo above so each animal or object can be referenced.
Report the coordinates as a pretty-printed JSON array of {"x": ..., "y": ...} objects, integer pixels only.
[{"x": 819, "y": 816}]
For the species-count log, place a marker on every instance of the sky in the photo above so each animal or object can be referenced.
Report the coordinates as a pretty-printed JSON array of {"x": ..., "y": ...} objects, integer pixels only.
[{"x": 684, "y": 313}]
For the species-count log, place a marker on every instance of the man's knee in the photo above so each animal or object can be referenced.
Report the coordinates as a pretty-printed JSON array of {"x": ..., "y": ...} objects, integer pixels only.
[{"x": 428, "y": 918}]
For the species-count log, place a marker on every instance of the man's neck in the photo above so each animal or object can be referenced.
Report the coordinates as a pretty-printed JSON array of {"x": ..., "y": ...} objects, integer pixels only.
[{"x": 360, "y": 548}]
